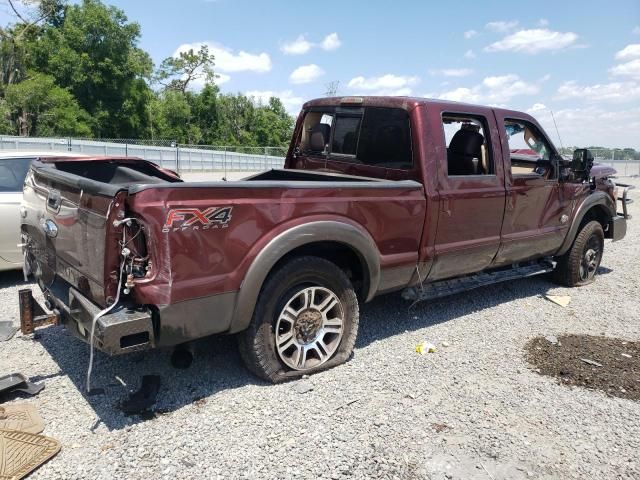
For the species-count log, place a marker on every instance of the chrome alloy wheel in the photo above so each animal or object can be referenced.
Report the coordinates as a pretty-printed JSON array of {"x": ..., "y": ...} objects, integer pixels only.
[{"x": 309, "y": 328}]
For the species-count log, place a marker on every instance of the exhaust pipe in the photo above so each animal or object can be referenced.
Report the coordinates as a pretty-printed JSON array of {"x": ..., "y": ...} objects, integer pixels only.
[{"x": 182, "y": 356}]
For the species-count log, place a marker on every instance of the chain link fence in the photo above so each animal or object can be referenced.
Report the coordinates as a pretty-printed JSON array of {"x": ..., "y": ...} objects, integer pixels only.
[{"x": 166, "y": 153}]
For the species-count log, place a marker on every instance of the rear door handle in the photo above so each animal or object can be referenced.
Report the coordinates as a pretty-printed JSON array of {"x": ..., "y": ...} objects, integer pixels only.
[{"x": 445, "y": 206}]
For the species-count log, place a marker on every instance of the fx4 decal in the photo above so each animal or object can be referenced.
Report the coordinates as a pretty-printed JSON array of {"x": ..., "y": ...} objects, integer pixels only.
[{"x": 180, "y": 219}]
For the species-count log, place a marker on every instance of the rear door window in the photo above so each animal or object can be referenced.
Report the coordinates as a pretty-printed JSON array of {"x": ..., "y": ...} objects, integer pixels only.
[{"x": 468, "y": 145}]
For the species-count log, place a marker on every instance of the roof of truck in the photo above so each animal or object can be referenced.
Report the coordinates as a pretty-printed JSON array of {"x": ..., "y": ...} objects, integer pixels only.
[{"x": 406, "y": 103}]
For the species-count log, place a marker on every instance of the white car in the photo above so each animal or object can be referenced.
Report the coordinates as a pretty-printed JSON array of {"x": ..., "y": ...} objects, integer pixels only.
[{"x": 14, "y": 166}]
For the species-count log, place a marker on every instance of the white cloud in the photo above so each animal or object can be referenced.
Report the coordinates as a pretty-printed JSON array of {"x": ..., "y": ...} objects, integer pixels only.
[
  {"x": 630, "y": 69},
  {"x": 534, "y": 41},
  {"x": 504, "y": 87},
  {"x": 537, "y": 107},
  {"x": 461, "y": 94},
  {"x": 543, "y": 22},
  {"x": 629, "y": 52},
  {"x": 470, "y": 34},
  {"x": 592, "y": 125},
  {"x": 298, "y": 47},
  {"x": 227, "y": 60},
  {"x": 501, "y": 26},
  {"x": 222, "y": 78},
  {"x": 452, "y": 72},
  {"x": 614, "y": 91},
  {"x": 290, "y": 101},
  {"x": 469, "y": 54},
  {"x": 331, "y": 42},
  {"x": 494, "y": 90},
  {"x": 389, "y": 84},
  {"x": 636, "y": 30},
  {"x": 301, "y": 45},
  {"x": 306, "y": 74}
]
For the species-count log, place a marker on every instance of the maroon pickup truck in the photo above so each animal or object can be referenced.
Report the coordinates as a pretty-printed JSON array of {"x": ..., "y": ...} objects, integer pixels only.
[{"x": 377, "y": 194}]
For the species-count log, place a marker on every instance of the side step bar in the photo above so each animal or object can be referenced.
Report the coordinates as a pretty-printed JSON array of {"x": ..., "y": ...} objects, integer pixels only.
[{"x": 443, "y": 288}]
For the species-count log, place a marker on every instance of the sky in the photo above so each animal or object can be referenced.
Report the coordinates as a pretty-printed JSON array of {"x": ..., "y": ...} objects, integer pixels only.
[{"x": 579, "y": 59}]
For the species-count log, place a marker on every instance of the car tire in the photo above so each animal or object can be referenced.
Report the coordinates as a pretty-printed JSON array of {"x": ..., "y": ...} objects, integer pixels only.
[
  {"x": 580, "y": 264},
  {"x": 305, "y": 320}
]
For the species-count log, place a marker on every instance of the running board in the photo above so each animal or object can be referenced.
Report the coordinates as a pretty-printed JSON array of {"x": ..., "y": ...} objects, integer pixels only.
[{"x": 443, "y": 288}]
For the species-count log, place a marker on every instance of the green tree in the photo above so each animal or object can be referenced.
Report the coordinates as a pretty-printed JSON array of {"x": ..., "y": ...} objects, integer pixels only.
[
  {"x": 94, "y": 54},
  {"x": 171, "y": 117},
  {"x": 37, "y": 106},
  {"x": 14, "y": 38},
  {"x": 178, "y": 73}
]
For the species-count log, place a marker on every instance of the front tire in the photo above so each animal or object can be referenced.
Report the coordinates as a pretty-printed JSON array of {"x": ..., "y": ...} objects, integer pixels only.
[
  {"x": 305, "y": 320},
  {"x": 580, "y": 264}
]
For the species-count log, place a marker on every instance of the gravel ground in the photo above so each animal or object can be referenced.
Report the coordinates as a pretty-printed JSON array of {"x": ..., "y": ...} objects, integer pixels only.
[{"x": 474, "y": 409}]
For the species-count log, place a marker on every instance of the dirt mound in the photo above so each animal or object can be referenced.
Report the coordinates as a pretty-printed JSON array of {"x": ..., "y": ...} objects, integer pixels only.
[{"x": 608, "y": 364}]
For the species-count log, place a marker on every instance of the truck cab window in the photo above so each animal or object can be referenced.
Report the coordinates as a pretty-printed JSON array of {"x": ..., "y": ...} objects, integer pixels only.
[
  {"x": 385, "y": 138},
  {"x": 316, "y": 132},
  {"x": 468, "y": 151},
  {"x": 345, "y": 136},
  {"x": 529, "y": 151},
  {"x": 373, "y": 136}
]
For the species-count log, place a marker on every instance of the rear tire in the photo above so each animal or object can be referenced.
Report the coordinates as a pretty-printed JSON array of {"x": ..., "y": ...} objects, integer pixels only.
[
  {"x": 580, "y": 264},
  {"x": 305, "y": 321}
]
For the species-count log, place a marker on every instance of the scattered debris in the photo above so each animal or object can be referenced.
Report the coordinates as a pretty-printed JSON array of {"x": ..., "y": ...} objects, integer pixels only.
[
  {"x": 17, "y": 382},
  {"x": 7, "y": 331},
  {"x": 425, "y": 347},
  {"x": 23, "y": 452},
  {"x": 597, "y": 362},
  {"x": 562, "y": 300},
  {"x": 445, "y": 344},
  {"x": 21, "y": 416},
  {"x": 121, "y": 381},
  {"x": 302, "y": 386},
  {"x": 346, "y": 404},
  {"x": 143, "y": 399},
  {"x": 551, "y": 339},
  {"x": 591, "y": 362},
  {"x": 440, "y": 427}
]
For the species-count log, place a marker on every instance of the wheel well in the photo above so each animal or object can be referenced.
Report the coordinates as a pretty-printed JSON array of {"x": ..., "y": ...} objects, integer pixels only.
[
  {"x": 343, "y": 256},
  {"x": 598, "y": 213}
]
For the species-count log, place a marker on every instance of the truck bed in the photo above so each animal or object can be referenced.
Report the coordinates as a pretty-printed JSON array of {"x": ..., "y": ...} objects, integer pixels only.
[{"x": 193, "y": 243}]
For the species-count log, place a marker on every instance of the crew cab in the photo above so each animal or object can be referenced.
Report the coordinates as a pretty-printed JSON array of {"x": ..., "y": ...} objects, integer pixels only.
[{"x": 377, "y": 194}]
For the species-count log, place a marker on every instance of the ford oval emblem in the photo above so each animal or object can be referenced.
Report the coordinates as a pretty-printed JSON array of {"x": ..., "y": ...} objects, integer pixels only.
[{"x": 50, "y": 228}]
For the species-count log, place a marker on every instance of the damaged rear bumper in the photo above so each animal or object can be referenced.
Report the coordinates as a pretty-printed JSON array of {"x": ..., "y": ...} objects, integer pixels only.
[{"x": 122, "y": 330}]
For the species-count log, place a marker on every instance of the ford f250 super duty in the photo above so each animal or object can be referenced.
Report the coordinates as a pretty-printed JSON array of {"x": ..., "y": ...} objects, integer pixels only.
[{"x": 377, "y": 194}]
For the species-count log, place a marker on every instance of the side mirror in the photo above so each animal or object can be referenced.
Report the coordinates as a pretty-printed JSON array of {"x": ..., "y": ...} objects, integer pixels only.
[{"x": 581, "y": 164}]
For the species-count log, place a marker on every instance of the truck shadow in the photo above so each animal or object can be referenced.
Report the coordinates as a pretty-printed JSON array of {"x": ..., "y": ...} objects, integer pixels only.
[{"x": 217, "y": 366}]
